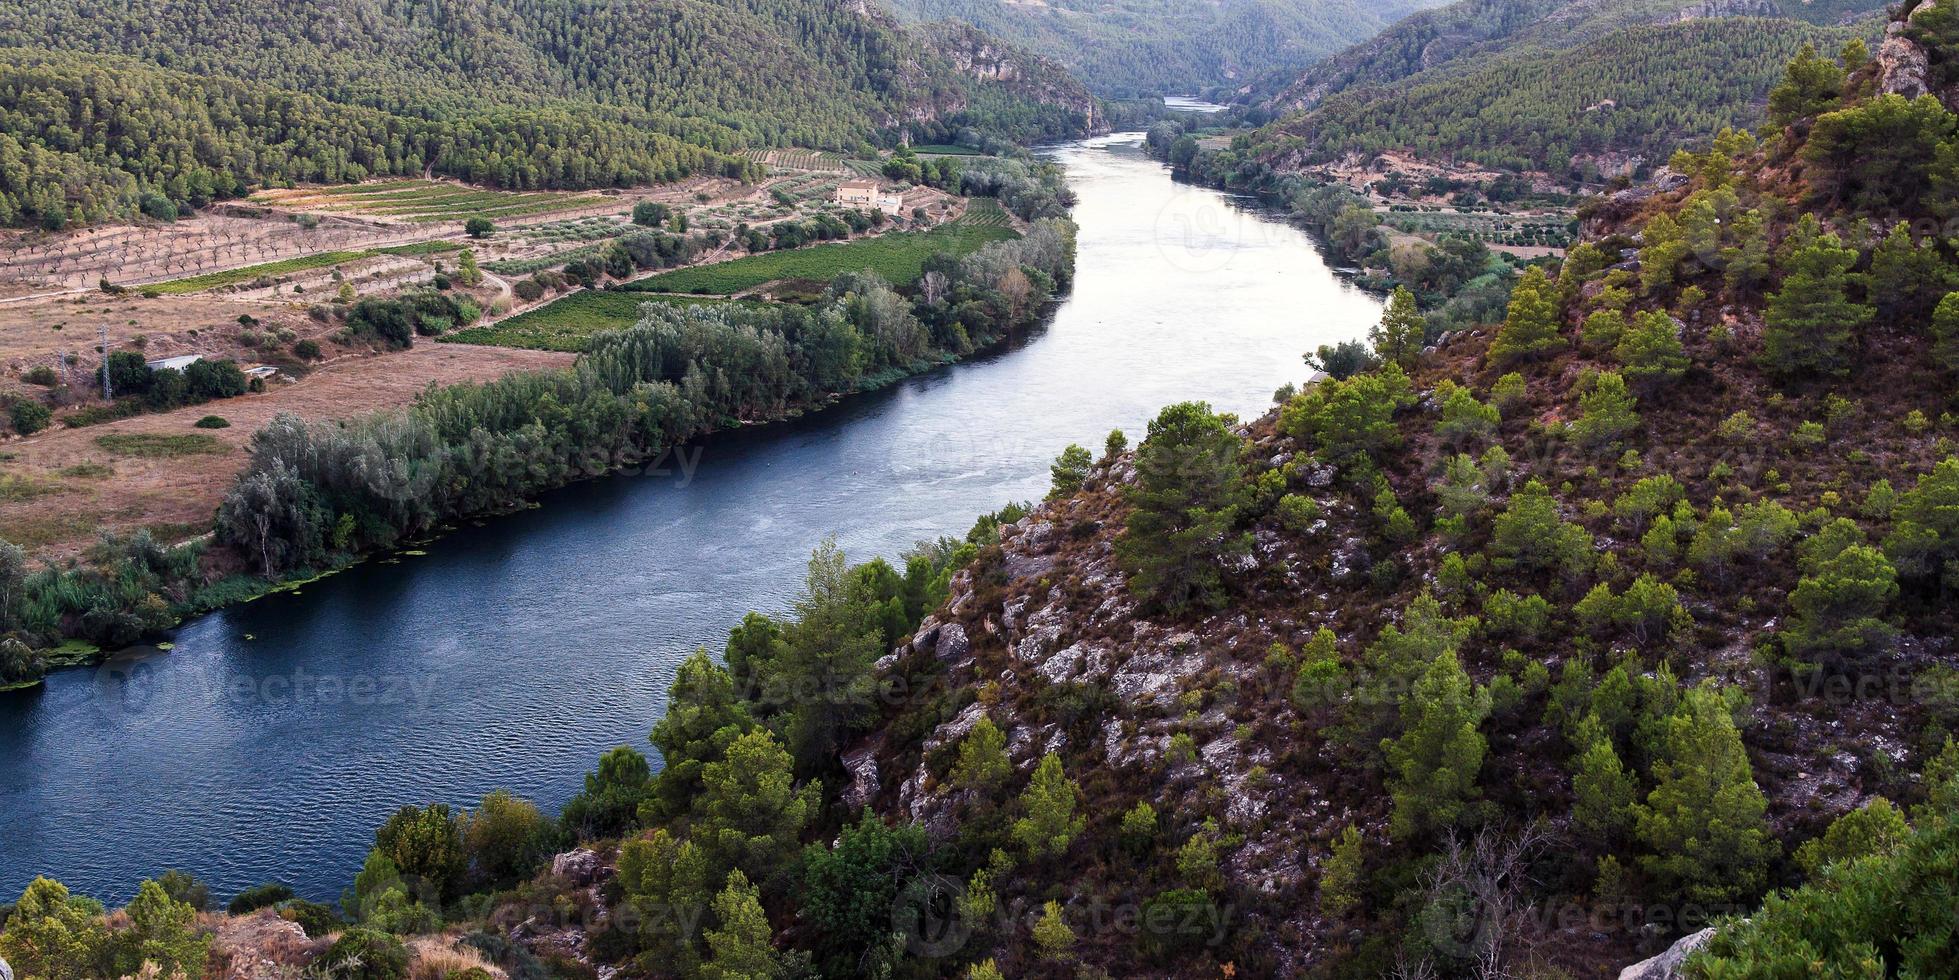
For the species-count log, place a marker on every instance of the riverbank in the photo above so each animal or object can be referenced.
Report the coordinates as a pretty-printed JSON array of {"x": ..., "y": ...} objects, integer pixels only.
[{"x": 309, "y": 497}]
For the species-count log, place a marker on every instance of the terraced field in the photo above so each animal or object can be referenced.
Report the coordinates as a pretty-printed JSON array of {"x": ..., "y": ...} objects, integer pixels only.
[
  {"x": 568, "y": 324},
  {"x": 897, "y": 256},
  {"x": 425, "y": 201},
  {"x": 234, "y": 277}
]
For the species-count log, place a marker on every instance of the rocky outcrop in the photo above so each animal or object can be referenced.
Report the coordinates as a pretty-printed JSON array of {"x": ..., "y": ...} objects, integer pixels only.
[
  {"x": 1902, "y": 65},
  {"x": 261, "y": 946},
  {"x": 582, "y": 868},
  {"x": 985, "y": 59},
  {"x": 1666, "y": 966},
  {"x": 1728, "y": 8}
]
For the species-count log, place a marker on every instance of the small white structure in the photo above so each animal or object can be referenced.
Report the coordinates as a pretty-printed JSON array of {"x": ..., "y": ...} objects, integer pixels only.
[
  {"x": 177, "y": 363},
  {"x": 866, "y": 193}
]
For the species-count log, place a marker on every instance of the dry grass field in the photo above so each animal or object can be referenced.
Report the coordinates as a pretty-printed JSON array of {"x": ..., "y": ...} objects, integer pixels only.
[{"x": 60, "y": 489}]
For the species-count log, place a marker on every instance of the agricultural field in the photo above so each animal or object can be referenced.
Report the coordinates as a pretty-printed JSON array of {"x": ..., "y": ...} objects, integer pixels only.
[
  {"x": 251, "y": 273},
  {"x": 587, "y": 229},
  {"x": 946, "y": 150},
  {"x": 897, "y": 256},
  {"x": 1537, "y": 230},
  {"x": 63, "y": 487},
  {"x": 569, "y": 323},
  {"x": 530, "y": 264},
  {"x": 425, "y": 201}
]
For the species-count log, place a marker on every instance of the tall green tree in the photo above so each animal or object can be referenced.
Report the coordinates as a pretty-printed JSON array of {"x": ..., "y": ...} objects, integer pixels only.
[
  {"x": 1530, "y": 327},
  {"x": 742, "y": 946},
  {"x": 847, "y": 893},
  {"x": 750, "y": 813},
  {"x": 1402, "y": 332},
  {"x": 1704, "y": 826},
  {"x": 1650, "y": 352},
  {"x": 162, "y": 932},
  {"x": 1811, "y": 320},
  {"x": 1185, "y": 505},
  {"x": 1434, "y": 765},
  {"x": 666, "y": 881},
  {"x": 823, "y": 683},
  {"x": 53, "y": 935},
  {"x": 705, "y": 714},
  {"x": 1050, "y": 822}
]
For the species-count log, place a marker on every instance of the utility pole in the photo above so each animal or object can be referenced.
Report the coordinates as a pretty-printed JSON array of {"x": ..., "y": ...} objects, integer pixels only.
[{"x": 108, "y": 390}]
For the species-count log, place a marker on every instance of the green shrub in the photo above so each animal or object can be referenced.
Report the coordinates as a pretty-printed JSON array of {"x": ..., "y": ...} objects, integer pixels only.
[
  {"x": 259, "y": 897},
  {"x": 366, "y": 954},
  {"x": 212, "y": 422},
  {"x": 29, "y": 417}
]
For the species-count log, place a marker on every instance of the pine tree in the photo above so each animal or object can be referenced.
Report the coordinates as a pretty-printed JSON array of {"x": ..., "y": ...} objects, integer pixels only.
[
  {"x": 1604, "y": 792},
  {"x": 1402, "y": 332},
  {"x": 983, "y": 764},
  {"x": 705, "y": 714},
  {"x": 1051, "y": 931},
  {"x": 1433, "y": 766},
  {"x": 53, "y": 935},
  {"x": 1051, "y": 823},
  {"x": 1906, "y": 279},
  {"x": 162, "y": 932},
  {"x": 1530, "y": 328},
  {"x": 1068, "y": 471},
  {"x": 750, "y": 814},
  {"x": 1530, "y": 534},
  {"x": 1704, "y": 825},
  {"x": 1340, "y": 876},
  {"x": 1813, "y": 85},
  {"x": 467, "y": 271},
  {"x": 1839, "y": 606},
  {"x": 1877, "y": 827},
  {"x": 824, "y": 676},
  {"x": 1945, "y": 334},
  {"x": 1186, "y": 499},
  {"x": 1605, "y": 411},
  {"x": 1924, "y": 539},
  {"x": 1651, "y": 353},
  {"x": 1464, "y": 419},
  {"x": 1811, "y": 320},
  {"x": 742, "y": 946},
  {"x": 666, "y": 881}
]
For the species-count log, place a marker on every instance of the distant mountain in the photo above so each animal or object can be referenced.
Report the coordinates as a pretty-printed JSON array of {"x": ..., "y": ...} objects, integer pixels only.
[
  {"x": 529, "y": 92},
  {"x": 1126, "y": 47},
  {"x": 1554, "y": 84}
]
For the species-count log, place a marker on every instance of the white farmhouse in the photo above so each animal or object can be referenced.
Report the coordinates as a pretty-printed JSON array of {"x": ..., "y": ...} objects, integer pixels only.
[
  {"x": 177, "y": 363},
  {"x": 867, "y": 193}
]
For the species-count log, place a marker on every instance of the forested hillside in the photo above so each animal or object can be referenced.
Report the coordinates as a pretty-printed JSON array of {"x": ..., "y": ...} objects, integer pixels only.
[
  {"x": 194, "y": 101},
  {"x": 1565, "y": 86},
  {"x": 1131, "y": 47}
]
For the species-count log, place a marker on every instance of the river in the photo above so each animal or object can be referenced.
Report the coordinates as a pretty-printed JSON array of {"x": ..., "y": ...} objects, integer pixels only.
[{"x": 276, "y": 735}]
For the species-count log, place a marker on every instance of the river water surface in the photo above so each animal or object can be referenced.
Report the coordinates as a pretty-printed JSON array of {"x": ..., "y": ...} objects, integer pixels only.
[{"x": 276, "y": 735}]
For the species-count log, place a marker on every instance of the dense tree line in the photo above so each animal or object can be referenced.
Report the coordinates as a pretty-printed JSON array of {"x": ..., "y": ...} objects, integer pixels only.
[
  {"x": 1642, "y": 90},
  {"x": 313, "y": 490},
  {"x": 87, "y": 139},
  {"x": 175, "y": 105}
]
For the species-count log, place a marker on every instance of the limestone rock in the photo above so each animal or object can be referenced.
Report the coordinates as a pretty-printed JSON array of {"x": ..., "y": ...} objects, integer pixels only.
[
  {"x": 1666, "y": 966},
  {"x": 1903, "y": 68},
  {"x": 581, "y": 867}
]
